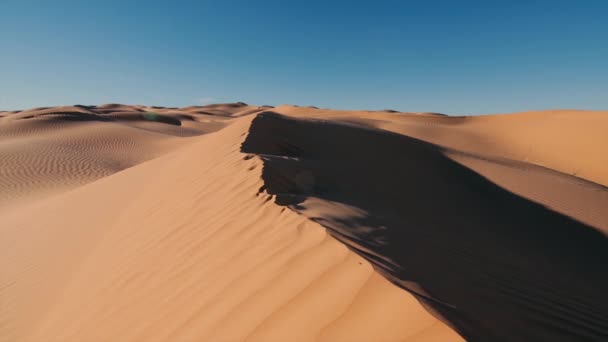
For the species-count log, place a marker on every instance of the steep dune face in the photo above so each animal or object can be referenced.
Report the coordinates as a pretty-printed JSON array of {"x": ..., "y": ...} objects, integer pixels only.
[
  {"x": 183, "y": 248},
  {"x": 45, "y": 151},
  {"x": 492, "y": 263}
]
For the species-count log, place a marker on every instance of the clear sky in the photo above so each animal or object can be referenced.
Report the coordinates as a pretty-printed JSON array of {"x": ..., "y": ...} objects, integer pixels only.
[{"x": 456, "y": 57}]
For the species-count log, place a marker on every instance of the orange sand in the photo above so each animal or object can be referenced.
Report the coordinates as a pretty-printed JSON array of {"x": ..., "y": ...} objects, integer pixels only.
[{"x": 138, "y": 223}]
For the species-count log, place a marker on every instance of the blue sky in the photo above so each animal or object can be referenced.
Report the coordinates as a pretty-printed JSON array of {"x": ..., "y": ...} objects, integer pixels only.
[{"x": 456, "y": 57}]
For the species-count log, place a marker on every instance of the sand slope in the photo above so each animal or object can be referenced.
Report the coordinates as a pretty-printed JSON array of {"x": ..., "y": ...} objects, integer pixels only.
[{"x": 208, "y": 223}]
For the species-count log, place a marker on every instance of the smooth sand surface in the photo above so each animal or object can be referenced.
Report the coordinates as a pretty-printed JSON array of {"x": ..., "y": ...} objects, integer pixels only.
[{"x": 233, "y": 222}]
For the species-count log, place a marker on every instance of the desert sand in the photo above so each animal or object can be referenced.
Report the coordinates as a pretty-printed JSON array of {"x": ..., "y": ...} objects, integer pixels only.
[{"x": 233, "y": 222}]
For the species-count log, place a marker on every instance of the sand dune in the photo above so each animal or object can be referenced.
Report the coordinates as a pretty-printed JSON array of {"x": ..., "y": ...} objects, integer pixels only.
[{"x": 233, "y": 222}]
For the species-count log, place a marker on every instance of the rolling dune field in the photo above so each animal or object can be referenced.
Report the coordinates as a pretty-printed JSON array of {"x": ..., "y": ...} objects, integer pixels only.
[{"x": 232, "y": 222}]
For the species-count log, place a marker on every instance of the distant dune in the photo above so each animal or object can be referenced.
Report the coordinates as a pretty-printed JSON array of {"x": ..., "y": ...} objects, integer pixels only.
[
  {"x": 233, "y": 222},
  {"x": 46, "y": 150}
]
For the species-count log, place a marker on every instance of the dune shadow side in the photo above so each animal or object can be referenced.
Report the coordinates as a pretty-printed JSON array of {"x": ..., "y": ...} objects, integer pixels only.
[{"x": 495, "y": 266}]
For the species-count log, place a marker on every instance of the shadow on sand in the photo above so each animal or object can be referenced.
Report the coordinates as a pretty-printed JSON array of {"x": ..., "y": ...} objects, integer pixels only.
[{"x": 495, "y": 266}]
